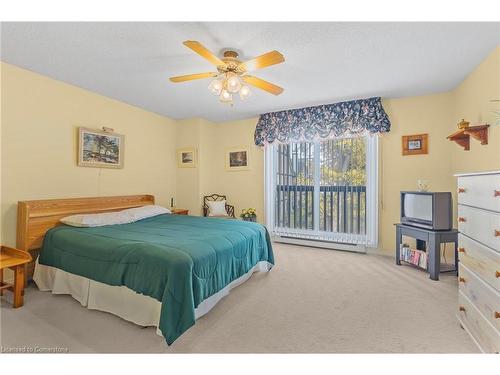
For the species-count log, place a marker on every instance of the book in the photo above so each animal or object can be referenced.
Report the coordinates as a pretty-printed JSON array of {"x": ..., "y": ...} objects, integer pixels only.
[{"x": 413, "y": 256}]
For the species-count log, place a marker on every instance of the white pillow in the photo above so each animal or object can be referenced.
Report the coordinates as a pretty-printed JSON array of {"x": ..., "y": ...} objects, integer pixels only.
[
  {"x": 144, "y": 212},
  {"x": 96, "y": 220},
  {"x": 111, "y": 218},
  {"x": 217, "y": 208}
]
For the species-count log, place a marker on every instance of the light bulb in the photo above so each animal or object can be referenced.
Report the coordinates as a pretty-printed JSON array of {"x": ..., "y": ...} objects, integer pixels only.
[
  {"x": 233, "y": 83},
  {"x": 226, "y": 96},
  {"x": 244, "y": 92},
  {"x": 215, "y": 86}
]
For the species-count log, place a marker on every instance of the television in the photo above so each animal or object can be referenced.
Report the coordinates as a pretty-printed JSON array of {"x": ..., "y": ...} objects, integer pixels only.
[{"x": 427, "y": 209}]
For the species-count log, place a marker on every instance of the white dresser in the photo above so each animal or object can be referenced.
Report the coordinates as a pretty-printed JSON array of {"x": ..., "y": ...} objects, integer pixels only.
[{"x": 479, "y": 255}]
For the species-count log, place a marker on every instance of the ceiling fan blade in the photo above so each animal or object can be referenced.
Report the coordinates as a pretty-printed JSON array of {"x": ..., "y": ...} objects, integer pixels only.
[
  {"x": 263, "y": 85},
  {"x": 203, "y": 52},
  {"x": 191, "y": 77},
  {"x": 263, "y": 61}
]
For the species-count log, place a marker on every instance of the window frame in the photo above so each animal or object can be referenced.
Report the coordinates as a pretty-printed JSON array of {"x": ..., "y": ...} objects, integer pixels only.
[{"x": 314, "y": 238}]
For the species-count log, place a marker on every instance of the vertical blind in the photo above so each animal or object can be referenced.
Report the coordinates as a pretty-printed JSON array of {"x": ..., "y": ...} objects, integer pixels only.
[
  {"x": 295, "y": 186},
  {"x": 319, "y": 189}
]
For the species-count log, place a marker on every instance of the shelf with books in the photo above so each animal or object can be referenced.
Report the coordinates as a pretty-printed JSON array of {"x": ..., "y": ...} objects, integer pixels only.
[
  {"x": 432, "y": 243},
  {"x": 414, "y": 257},
  {"x": 419, "y": 259}
]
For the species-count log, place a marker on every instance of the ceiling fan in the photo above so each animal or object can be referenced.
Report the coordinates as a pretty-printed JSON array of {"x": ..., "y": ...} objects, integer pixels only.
[{"x": 232, "y": 74}]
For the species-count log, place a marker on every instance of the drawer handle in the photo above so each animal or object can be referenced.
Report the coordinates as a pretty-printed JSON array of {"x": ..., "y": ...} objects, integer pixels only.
[
  {"x": 461, "y": 219},
  {"x": 461, "y": 308},
  {"x": 461, "y": 190},
  {"x": 462, "y": 250},
  {"x": 461, "y": 280},
  {"x": 496, "y": 193},
  {"x": 497, "y": 315},
  {"x": 497, "y": 233},
  {"x": 497, "y": 274}
]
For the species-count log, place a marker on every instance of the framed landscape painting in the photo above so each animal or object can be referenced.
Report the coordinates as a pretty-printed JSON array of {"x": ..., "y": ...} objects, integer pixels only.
[
  {"x": 99, "y": 149},
  {"x": 238, "y": 159},
  {"x": 186, "y": 157}
]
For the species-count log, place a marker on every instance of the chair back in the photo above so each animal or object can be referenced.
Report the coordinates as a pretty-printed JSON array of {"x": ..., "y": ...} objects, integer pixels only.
[
  {"x": 211, "y": 198},
  {"x": 215, "y": 198}
]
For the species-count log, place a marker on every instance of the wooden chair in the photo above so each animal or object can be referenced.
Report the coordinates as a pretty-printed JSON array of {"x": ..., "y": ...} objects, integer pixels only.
[
  {"x": 215, "y": 198},
  {"x": 16, "y": 260}
]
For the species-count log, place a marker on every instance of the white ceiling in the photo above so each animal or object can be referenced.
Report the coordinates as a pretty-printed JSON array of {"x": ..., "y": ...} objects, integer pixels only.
[{"x": 325, "y": 62}]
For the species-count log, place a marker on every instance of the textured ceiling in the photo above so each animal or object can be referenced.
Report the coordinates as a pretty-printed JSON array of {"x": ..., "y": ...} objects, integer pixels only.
[{"x": 325, "y": 62}]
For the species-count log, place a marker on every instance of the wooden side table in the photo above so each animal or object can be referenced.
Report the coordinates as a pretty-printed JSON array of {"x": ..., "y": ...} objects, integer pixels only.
[
  {"x": 180, "y": 211},
  {"x": 16, "y": 260}
]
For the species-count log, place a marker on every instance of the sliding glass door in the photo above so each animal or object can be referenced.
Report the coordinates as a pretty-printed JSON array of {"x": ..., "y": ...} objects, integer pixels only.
[
  {"x": 323, "y": 190},
  {"x": 295, "y": 181}
]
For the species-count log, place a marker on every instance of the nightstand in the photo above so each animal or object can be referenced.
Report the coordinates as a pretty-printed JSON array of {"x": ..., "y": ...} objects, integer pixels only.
[
  {"x": 180, "y": 211},
  {"x": 16, "y": 260}
]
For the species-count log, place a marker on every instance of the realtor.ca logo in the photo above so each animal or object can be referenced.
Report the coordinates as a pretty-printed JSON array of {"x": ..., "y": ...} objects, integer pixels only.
[{"x": 32, "y": 349}]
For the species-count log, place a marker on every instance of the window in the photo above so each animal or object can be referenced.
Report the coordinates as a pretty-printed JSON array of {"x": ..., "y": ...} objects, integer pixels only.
[{"x": 324, "y": 190}]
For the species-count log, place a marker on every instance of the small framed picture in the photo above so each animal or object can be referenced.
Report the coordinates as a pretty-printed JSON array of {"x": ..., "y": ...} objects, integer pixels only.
[
  {"x": 186, "y": 157},
  {"x": 238, "y": 159},
  {"x": 415, "y": 144},
  {"x": 99, "y": 149}
]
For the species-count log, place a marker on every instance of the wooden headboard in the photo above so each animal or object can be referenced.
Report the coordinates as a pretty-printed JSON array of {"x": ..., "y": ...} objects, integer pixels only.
[{"x": 35, "y": 218}]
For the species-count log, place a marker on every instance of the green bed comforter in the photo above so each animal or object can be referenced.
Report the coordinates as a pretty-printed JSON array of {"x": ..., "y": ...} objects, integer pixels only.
[{"x": 178, "y": 260}]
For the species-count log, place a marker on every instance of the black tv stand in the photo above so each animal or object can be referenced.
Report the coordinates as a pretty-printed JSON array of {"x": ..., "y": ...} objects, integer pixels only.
[{"x": 429, "y": 240}]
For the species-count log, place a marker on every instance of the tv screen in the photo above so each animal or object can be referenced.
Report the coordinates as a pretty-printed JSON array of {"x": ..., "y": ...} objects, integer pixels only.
[{"x": 418, "y": 206}]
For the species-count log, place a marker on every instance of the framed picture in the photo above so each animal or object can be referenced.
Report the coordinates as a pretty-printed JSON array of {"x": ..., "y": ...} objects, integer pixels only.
[
  {"x": 186, "y": 157},
  {"x": 415, "y": 144},
  {"x": 238, "y": 159},
  {"x": 99, "y": 149}
]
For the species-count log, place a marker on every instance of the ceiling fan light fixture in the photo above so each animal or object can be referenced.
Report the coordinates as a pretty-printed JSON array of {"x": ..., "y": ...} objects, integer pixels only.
[
  {"x": 233, "y": 82},
  {"x": 226, "y": 96},
  {"x": 215, "y": 87},
  {"x": 245, "y": 92},
  {"x": 232, "y": 76}
]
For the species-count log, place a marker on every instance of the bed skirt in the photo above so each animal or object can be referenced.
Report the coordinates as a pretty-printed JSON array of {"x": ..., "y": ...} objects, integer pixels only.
[{"x": 120, "y": 300}]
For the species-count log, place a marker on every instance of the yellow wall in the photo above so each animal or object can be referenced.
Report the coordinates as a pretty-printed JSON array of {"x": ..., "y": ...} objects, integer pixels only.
[
  {"x": 39, "y": 115},
  {"x": 39, "y": 119},
  {"x": 426, "y": 114},
  {"x": 243, "y": 189},
  {"x": 194, "y": 183},
  {"x": 416, "y": 115},
  {"x": 1, "y": 174},
  {"x": 472, "y": 102},
  {"x": 435, "y": 115},
  {"x": 188, "y": 179}
]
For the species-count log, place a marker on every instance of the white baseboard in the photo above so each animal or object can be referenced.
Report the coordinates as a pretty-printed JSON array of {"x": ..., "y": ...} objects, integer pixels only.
[
  {"x": 321, "y": 244},
  {"x": 335, "y": 246}
]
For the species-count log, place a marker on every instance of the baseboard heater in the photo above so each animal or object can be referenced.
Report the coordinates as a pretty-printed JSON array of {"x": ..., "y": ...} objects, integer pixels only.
[{"x": 343, "y": 246}]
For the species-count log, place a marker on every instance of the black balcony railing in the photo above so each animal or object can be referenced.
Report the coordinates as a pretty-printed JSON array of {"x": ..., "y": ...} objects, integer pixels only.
[{"x": 342, "y": 209}]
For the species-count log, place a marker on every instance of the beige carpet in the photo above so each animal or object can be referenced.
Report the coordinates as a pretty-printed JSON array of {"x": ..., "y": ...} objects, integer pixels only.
[{"x": 314, "y": 300}]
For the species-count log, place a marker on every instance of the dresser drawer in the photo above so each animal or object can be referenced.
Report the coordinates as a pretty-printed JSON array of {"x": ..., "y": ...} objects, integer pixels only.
[
  {"x": 483, "y": 332},
  {"x": 480, "y": 191},
  {"x": 482, "y": 261},
  {"x": 483, "y": 296},
  {"x": 481, "y": 225}
]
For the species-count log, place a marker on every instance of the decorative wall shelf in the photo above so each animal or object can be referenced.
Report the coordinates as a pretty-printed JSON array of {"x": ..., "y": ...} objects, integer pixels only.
[
  {"x": 461, "y": 139},
  {"x": 479, "y": 133},
  {"x": 462, "y": 136}
]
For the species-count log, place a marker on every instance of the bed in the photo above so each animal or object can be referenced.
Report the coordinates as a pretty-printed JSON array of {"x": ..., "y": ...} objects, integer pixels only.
[{"x": 167, "y": 270}]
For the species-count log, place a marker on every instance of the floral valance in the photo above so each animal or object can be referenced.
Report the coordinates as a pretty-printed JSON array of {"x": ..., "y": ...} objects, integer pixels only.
[{"x": 324, "y": 121}]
